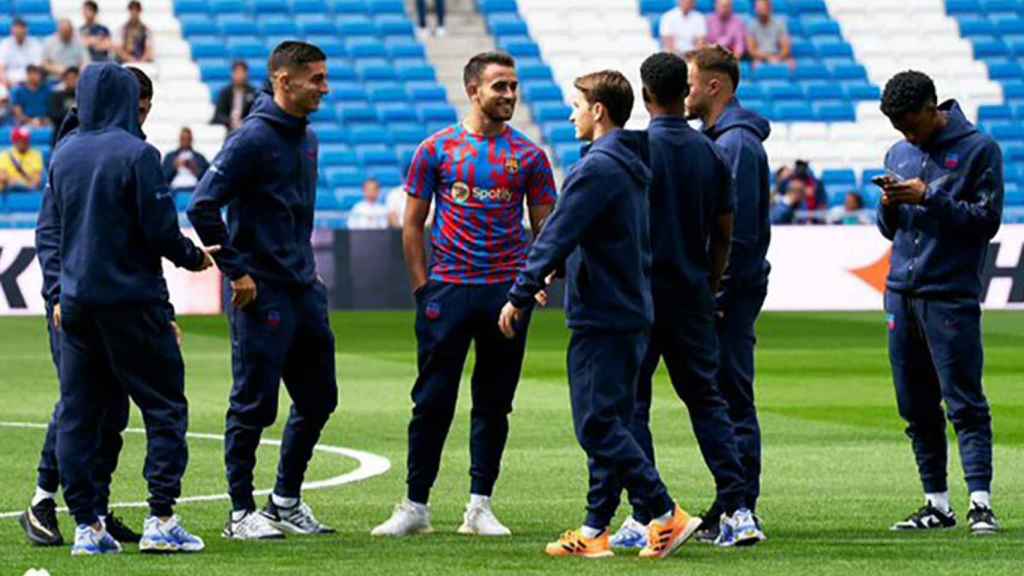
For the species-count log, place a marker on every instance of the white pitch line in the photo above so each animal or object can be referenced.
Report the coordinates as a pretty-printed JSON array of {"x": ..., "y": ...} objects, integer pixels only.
[{"x": 370, "y": 465}]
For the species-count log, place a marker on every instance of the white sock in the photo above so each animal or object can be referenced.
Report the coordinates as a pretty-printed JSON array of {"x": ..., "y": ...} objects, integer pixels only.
[
  {"x": 939, "y": 500},
  {"x": 664, "y": 518},
  {"x": 478, "y": 501},
  {"x": 42, "y": 495},
  {"x": 591, "y": 533},
  {"x": 419, "y": 507},
  {"x": 982, "y": 498},
  {"x": 282, "y": 502},
  {"x": 237, "y": 515}
]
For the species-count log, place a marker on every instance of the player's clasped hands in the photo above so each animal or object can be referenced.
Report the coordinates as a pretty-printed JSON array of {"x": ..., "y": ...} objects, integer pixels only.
[{"x": 905, "y": 192}]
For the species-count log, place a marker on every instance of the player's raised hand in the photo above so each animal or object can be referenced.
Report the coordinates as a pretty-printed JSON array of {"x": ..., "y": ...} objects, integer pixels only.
[
  {"x": 243, "y": 291},
  {"x": 508, "y": 319}
]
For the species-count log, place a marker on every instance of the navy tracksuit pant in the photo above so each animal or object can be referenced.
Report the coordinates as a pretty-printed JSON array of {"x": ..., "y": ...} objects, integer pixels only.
[
  {"x": 689, "y": 345},
  {"x": 935, "y": 350},
  {"x": 284, "y": 334},
  {"x": 107, "y": 352},
  {"x": 113, "y": 423},
  {"x": 448, "y": 318},
  {"x": 739, "y": 308},
  {"x": 603, "y": 368}
]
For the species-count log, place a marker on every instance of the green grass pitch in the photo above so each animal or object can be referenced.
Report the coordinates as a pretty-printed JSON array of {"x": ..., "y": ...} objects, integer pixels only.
[{"x": 837, "y": 467}]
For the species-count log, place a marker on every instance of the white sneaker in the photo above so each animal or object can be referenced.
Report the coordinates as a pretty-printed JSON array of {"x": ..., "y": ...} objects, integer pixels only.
[
  {"x": 480, "y": 520},
  {"x": 89, "y": 542},
  {"x": 422, "y": 33},
  {"x": 440, "y": 32},
  {"x": 298, "y": 519},
  {"x": 632, "y": 535},
  {"x": 405, "y": 520},
  {"x": 252, "y": 526},
  {"x": 168, "y": 536}
]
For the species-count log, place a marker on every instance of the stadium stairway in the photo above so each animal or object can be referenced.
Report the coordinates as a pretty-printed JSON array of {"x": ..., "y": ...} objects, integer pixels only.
[{"x": 180, "y": 98}]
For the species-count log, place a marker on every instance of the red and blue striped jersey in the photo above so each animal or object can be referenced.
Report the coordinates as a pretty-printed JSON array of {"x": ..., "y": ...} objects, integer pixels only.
[{"x": 478, "y": 185}]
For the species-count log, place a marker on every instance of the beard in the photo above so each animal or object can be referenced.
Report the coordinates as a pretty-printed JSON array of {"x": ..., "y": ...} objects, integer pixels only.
[{"x": 500, "y": 111}]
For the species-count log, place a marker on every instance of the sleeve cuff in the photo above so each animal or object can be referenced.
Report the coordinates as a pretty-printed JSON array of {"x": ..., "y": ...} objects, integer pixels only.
[{"x": 520, "y": 300}]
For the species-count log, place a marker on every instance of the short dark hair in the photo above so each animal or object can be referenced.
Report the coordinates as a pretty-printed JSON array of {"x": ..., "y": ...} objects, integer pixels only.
[
  {"x": 145, "y": 84},
  {"x": 90, "y": 4},
  {"x": 474, "y": 69},
  {"x": 715, "y": 58},
  {"x": 186, "y": 129},
  {"x": 19, "y": 22},
  {"x": 294, "y": 53},
  {"x": 664, "y": 76},
  {"x": 908, "y": 91},
  {"x": 71, "y": 70},
  {"x": 135, "y": 5},
  {"x": 239, "y": 64},
  {"x": 34, "y": 68},
  {"x": 611, "y": 89}
]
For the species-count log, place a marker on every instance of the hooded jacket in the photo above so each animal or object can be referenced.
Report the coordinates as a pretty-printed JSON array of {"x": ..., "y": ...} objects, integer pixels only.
[
  {"x": 691, "y": 187},
  {"x": 940, "y": 246},
  {"x": 740, "y": 133},
  {"x": 599, "y": 229},
  {"x": 107, "y": 217},
  {"x": 266, "y": 175}
]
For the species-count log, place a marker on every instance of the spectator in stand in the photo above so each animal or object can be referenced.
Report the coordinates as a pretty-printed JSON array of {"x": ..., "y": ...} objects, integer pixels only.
[
  {"x": 801, "y": 197},
  {"x": 21, "y": 167},
  {"x": 792, "y": 194},
  {"x": 136, "y": 39},
  {"x": 17, "y": 52},
  {"x": 6, "y": 114},
  {"x": 683, "y": 28},
  {"x": 63, "y": 98},
  {"x": 184, "y": 167},
  {"x": 369, "y": 213},
  {"x": 95, "y": 36},
  {"x": 62, "y": 50},
  {"x": 235, "y": 100},
  {"x": 851, "y": 212},
  {"x": 421, "y": 14},
  {"x": 31, "y": 100},
  {"x": 727, "y": 30},
  {"x": 767, "y": 39}
]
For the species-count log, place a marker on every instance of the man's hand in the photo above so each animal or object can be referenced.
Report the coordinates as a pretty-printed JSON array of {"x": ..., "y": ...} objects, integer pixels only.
[
  {"x": 56, "y": 316},
  {"x": 208, "y": 253},
  {"x": 243, "y": 291},
  {"x": 906, "y": 192},
  {"x": 178, "y": 334},
  {"x": 510, "y": 316},
  {"x": 542, "y": 296}
]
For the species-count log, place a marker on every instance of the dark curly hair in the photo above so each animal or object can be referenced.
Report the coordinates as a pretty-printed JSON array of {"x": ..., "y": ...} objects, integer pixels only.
[
  {"x": 664, "y": 76},
  {"x": 908, "y": 92}
]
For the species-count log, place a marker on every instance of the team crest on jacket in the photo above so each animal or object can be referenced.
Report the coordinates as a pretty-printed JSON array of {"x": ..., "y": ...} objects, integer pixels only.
[
  {"x": 273, "y": 319},
  {"x": 460, "y": 192},
  {"x": 512, "y": 165},
  {"x": 952, "y": 161}
]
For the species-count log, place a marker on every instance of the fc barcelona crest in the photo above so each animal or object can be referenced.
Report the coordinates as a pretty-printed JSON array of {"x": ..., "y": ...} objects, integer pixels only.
[
  {"x": 460, "y": 192},
  {"x": 512, "y": 165}
]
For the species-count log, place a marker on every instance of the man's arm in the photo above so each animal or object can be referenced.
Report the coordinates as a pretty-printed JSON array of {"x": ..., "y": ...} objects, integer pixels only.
[
  {"x": 217, "y": 189},
  {"x": 721, "y": 245},
  {"x": 48, "y": 228},
  {"x": 159, "y": 218},
  {"x": 785, "y": 46},
  {"x": 19, "y": 114},
  {"x": 981, "y": 216},
  {"x": 413, "y": 241}
]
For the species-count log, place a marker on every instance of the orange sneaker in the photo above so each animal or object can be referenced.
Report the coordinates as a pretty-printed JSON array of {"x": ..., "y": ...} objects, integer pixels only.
[
  {"x": 572, "y": 543},
  {"x": 664, "y": 539}
]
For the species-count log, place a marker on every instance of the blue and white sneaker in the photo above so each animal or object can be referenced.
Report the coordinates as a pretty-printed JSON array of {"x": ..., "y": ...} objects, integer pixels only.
[
  {"x": 167, "y": 537},
  {"x": 740, "y": 529},
  {"x": 631, "y": 535},
  {"x": 89, "y": 542}
]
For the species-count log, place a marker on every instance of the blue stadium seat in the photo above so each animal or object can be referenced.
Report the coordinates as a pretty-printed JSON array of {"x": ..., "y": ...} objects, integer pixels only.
[
  {"x": 392, "y": 25},
  {"x": 1010, "y": 27},
  {"x": 772, "y": 72},
  {"x": 182, "y": 7},
  {"x": 750, "y": 91},
  {"x": 195, "y": 25},
  {"x": 1010, "y": 133},
  {"x": 270, "y": 6},
  {"x": 395, "y": 7},
  {"x": 348, "y": 92},
  {"x": 357, "y": 26},
  {"x": 345, "y": 177},
  {"x": 337, "y": 155},
  {"x": 839, "y": 177},
  {"x": 41, "y": 135},
  {"x": 368, "y": 134},
  {"x": 519, "y": 46},
  {"x": 783, "y": 91},
  {"x": 495, "y": 6},
  {"x": 349, "y": 113},
  {"x": 812, "y": 72},
  {"x": 794, "y": 112},
  {"x": 1006, "y": 71},
  {"x": 342, "y": 70},
  {"x": 802, "y": 48},
  {"x": 835, "y": 112},
  {"x": 1013, "y": 153},
  {"x": 408, "y": 133},
  {"x": 508, "y": 27},
  {"x": 426, "y": 92},
  {"x": 954, "y": 7},
  {"x": 404, "y": 48},
  {"x": 376, "y": 155},
  {"x": 242, "y": 47},
  {"x": 228, "y": 6},
  {"x": 971, "y": 28},
  {"x": 568, "y": 154},
  {"x": 990, "y": 48},
  {"x": 861, "y": 91},
  {"x": 236, "y": 25},
  {"x": 208, "y": 47},
  {"x": 822, "y": 28},
  {"x": 348, "y": 6},
  {"x": 825, "y": 91},
  {"x": 560, "y": 132},
  {"x": 366, "y": 48},
  {"x": 849, "y": 72},
  {"x": 436, "y": 113},
  {"x": 310, "y": 24},
  {"x": 808, "y": 7},
  {"x": 278, "y": 25},
  {"x": 996, "y": 6},
  {"x": 331, "y": 134},
  {"x": 331, "y": 45},
  {"x": 397, "y": 113},
  {"x": 27, "y": 7},
  {"x": 369, "y": 70},
  {"x": 24, "y": 201},
  {"x": 415, "y": 71},
  {"x": 309, "y": 7},
  {"x": 992, "y": 112},
  {"x": 388, "y": 93},
  {"x": 550, "y": 112},
  {"x": 542, "y": 91},
  {"x": 218, "y": 69},
  {"x": 534, "y": 72},
  {"x": 832, "y": 48}
]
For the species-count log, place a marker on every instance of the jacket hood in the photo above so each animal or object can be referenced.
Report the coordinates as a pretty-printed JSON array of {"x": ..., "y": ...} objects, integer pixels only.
[
  {"x": 265, "y": 107},
  {"x": 957, "y": 128},
  {"x": 736, "y": 116},
  {"x": 108, "y": 97},
  {"x": 630, "y": 149}
]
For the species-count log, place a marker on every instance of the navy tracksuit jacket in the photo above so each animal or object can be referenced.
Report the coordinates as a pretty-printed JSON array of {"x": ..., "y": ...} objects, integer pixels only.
[
  {"x": 933, "y": 291},
  {"x": 266, "y": 176},
  {"x": 740, "y": 134},
  {"x": 691, "y": 188},
  {"x": 599, "y": 230},
  {"x": 117, "y": 220},
  {"x": 116, "y": 418}
]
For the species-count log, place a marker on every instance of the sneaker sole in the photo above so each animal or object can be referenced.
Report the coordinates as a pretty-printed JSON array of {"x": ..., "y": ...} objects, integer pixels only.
[
  {"x": 158, "y": 548},
  {"x": 33, "y": 536},
  {"x": 560, "y": 553},
  {"x": 916, "y": 529},
  {"x": 691, "y": 527},
  {"x": 747, "y": 540},
  {"x": 228, "y": 535},
  {"x": 467, "y": 530},
  {"x": 289, "y": 528},
  {"x": 423, "y": 531},
  {"x": 984, "y": 531}
]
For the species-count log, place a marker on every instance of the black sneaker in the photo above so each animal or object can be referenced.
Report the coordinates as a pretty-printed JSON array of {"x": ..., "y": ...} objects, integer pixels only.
[
  {"x": 298, "y": 519},
  {"x": 927, "y": 517},
  {"x": 118, "y": 531},
  {"x": 709, "y": 526},
  {"x": 40, "y": 524},
  {"x": 982, "y": 520}
]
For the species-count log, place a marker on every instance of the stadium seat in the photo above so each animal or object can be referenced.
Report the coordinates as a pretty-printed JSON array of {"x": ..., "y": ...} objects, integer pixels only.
[
  {"x": 396, "y": 113},
  {"x": 349, "y": 113},
  {"x": 426, "y": 92},
  {"x": 551, "y": 111},
  {"x": 309, "y": 7},
  {"x": 310, "y": 25},
  {"x": 436, "y": 113}
]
